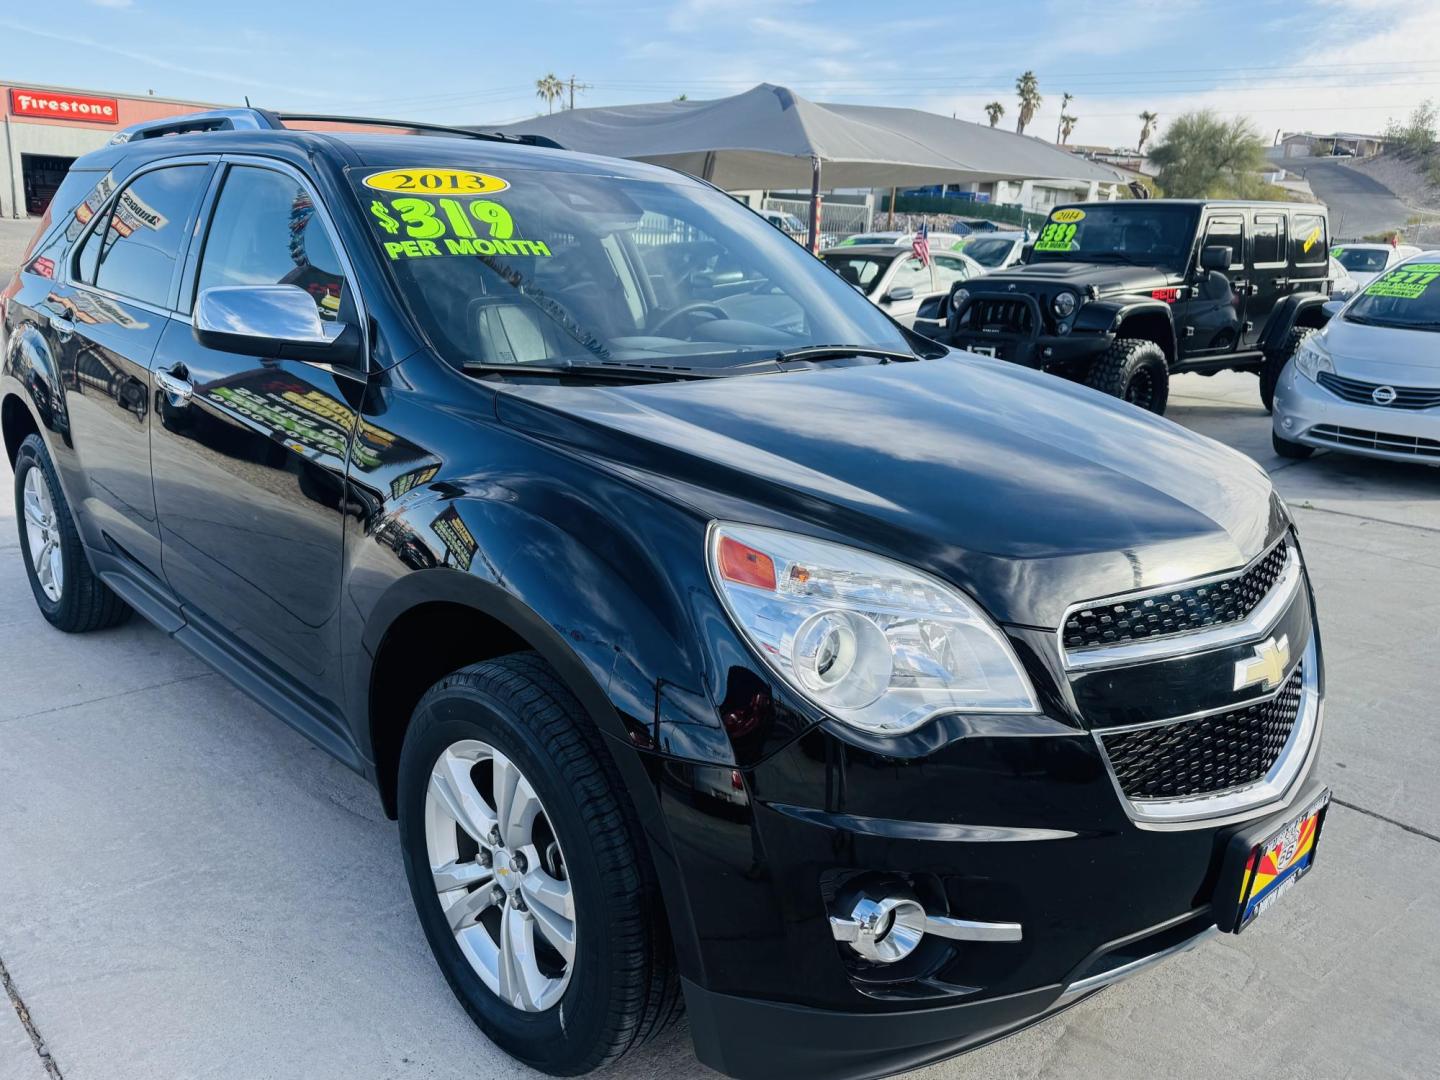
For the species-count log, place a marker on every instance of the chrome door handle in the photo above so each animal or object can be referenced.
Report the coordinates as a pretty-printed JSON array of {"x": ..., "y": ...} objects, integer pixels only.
[{"x": 179, "y": 391}]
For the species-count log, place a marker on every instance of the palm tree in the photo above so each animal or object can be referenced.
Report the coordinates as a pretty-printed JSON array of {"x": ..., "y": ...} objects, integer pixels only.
[
  {"x": 994, "y": 110},
  {"x": 550, "y": 88},
  {"x": 1064, "y": 104},
  {"x": 1067, "y": 125},
  {"x": 1147, "y": 118},
  {"x": 1028, "y": 89}
]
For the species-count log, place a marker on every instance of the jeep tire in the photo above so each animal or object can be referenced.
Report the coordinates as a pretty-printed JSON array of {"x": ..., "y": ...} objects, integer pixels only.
[
  {"x": 68, "y": 592},
  {"x": 1134, "y": 370},
  {"x": 619, "y": 987},
  {"x": 1275, "y": 363}
]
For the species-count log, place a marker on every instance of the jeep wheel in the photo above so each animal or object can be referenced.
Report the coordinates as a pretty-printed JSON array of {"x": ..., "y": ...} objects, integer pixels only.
[
  {"x": 67, "y": 591},
  {"x": 1275, "y": 363},
  {"x": 1135, "y": 370},
  {"x": 1287, "y": 449},
  {"x": 528, "y": 870}
]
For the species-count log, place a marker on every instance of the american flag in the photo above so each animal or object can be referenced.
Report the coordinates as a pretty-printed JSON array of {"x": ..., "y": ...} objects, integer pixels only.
[{"x": 921, "y": 245}]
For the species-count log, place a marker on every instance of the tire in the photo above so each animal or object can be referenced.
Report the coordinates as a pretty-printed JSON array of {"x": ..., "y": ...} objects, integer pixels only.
[
  {"x": 1275, "y": 363},
  {"x": 1287, "y": 449},
  {"x": 620, "y": 988},
  {"x": 1134, "y": 370},
  {"x": 68, "y": 592}
]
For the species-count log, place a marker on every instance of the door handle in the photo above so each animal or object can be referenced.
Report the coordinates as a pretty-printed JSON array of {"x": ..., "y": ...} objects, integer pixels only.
[{"x": 177, "y": 389}]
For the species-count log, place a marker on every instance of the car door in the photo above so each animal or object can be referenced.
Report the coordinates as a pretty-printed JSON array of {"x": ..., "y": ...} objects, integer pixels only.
[
  {"x": 1269, "y": 271},
  {"x": 906, "y": 273},
  {"x": 107, "y": 314},
  {"x": 1310, "y": 252},
  {"x": 1217, "y": 311},
  {"x": 249, "y": 454}
]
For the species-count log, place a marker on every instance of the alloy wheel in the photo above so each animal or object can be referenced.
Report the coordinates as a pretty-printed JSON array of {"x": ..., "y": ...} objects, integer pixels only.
[
  {"x": 500, "y": 875},
  {"x": 42, "y": 531}
]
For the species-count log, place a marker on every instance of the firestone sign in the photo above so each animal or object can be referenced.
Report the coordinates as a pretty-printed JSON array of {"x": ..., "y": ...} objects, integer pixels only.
[{"x": 53, "y": 106}]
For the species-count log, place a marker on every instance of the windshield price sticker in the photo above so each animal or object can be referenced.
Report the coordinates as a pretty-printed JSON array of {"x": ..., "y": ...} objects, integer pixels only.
[
  {"x": 1407, "y": 282},
  {"x": 436, "y": 182},
  {"x": 1059, "y": 231},
  {"x": 1068, "y": 217},
  {"x": 417, "y": 228}
]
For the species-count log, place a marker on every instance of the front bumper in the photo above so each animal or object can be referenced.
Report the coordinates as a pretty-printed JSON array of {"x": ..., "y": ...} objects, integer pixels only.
[
  {"x": 1307, "y": 413},
  {"x": 1021, "y": 335}
]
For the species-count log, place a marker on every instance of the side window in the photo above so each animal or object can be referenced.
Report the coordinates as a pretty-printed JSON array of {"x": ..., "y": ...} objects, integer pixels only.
[
  {"x": 134, "y": 252},
  {"x": 264, "y": 231},
  {"x": 950, "y": 270},
  {"x": 1230, "y": 232},
  {"x": 1311, "y": 245},
  {"x": 1269, "y": 239},
  {"x": 912, "y": 274}
]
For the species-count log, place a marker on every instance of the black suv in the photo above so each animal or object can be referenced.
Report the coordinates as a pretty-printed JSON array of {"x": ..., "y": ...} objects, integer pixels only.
[
  {"x": 715, "y": 640},
  {"x": 1119, "y": 294}
]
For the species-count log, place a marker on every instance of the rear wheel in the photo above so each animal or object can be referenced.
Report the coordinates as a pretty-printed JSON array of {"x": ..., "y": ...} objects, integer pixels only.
[
  {"x": 1287, "y": 449},
  {"x": 69, "y": 594},
  {"x": 1134, "y": 370},
  {"x": 528, "y": 872},
  {"x": 1275, "y": 363}
]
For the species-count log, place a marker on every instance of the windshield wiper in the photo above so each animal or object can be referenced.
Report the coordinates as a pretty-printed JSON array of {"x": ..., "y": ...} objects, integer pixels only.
[
  {"x": 841, "y": 352},
  {"x": 618, "y": 372}
]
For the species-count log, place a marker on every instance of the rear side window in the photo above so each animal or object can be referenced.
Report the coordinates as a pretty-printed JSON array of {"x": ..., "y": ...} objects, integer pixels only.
[
  {"x": 133, "y": 253},
  {"x": 1269, "y": 238},
  {"x": 1311, "y": 244},
  {"x": 265, "y": 232}
]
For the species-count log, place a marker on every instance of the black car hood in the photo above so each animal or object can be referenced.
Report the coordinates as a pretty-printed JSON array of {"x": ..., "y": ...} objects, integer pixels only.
[
  {"x": 1108, "y": 278},
  {"x": 1030, "y": 492}
]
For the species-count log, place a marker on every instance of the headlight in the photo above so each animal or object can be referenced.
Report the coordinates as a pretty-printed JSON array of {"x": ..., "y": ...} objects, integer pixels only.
[
  {"x": 873, "y": 643},
  {"x": 958, "y": 297},
  {"x": 1063, "y": 304},
  {"x": 1312, "y": 357}
]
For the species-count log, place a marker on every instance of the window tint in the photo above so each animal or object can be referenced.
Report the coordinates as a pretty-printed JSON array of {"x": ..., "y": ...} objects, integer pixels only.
[
  {"x": 264, "y": 232},
  {"x": 1228, "y": 232},
  {"x": 1269, "y": 239},
  {"x": 912, "y": 274},
  {"x": 1311, "y": 244},
  {"x": 133, "y": 253}
]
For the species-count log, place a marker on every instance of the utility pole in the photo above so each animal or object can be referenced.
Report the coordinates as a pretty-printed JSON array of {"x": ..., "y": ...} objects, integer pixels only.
[{"x": 582, "y": 87}]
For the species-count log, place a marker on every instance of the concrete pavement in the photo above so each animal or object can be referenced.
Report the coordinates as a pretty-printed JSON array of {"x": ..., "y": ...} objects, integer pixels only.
[{"x": 189, "y": 889}]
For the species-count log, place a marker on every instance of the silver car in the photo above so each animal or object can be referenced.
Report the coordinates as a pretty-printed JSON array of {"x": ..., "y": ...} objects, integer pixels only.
[{"x": 1369, "y": 383}]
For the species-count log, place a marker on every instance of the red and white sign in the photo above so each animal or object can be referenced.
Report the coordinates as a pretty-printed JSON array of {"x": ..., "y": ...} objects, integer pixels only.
[{"x": 56, "y": 106}]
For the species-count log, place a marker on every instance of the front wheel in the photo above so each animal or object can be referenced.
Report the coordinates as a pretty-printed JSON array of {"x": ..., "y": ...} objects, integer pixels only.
[
  {"x": 528, "y": 872},
  {"x": 1134, "y": 370},
  {"x": 1287, "y": 449}
]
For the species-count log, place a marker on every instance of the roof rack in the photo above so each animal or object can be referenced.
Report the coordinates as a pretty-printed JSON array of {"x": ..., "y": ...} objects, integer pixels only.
[{"x": 252, "y": 119}]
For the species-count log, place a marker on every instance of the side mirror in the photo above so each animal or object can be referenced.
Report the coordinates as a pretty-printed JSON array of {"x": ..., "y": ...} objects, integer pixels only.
[
  {"x": 1331, "y": 308},
  {"x": 279, "y": 322},
  {"x": 900, "y": 292},
  {"x": 1215, "y": 257}
]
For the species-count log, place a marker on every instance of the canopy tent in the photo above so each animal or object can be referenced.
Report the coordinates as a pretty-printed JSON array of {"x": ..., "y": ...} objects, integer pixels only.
[{"x": 770, "y": 137}]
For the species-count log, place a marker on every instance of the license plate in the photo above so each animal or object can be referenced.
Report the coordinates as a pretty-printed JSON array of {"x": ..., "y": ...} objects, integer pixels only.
[
  {"x": 1274, "y": 866},
  {"x": 983, "y": 350}
]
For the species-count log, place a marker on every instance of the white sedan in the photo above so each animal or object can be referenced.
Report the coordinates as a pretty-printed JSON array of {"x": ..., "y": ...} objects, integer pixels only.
[
  {"x": 1366, "y": 262},
  {"x": 897, "y": 281},
  {"x": 1369, "y": 382}
]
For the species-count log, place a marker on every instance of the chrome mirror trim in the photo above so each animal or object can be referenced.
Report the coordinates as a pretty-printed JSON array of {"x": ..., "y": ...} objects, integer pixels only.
[{"x": 270, "y": 312}]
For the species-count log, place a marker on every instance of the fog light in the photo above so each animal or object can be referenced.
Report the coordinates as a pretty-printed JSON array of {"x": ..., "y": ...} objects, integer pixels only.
[
  {"x": 1288, "y": 423},
  {"x": 883, "y": 930}
]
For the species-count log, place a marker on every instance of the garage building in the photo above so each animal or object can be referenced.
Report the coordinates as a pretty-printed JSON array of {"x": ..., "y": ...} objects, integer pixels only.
[{"x": 48, "y": 127}]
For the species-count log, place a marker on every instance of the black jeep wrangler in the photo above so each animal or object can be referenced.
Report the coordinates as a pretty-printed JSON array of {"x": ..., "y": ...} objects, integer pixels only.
[{"x": 1119, "y": 294}]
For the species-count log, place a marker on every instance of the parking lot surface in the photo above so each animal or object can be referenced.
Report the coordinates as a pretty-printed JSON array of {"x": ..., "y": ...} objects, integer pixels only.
[{"x": 190, "y": 889}]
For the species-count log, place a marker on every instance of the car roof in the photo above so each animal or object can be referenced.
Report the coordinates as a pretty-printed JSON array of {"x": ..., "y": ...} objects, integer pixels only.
[{"x": 866, "y": 249}]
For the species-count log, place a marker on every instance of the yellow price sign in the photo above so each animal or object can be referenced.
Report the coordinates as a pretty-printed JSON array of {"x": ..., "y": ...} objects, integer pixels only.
[
  {"x": 436, "y": 182},
  {"x": 1068, "y": 217}
]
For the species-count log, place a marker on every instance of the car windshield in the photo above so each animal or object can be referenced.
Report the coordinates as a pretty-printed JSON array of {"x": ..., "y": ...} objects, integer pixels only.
[
  {"x": 1407, "y": 296},
  {"x": 1130, "y": 231},
  {"x": 1365, "y": 260},
  {"x": 989, "y": 251},
  {"x": 860, "y": 270},
  {"x": 567, "y": 269}
]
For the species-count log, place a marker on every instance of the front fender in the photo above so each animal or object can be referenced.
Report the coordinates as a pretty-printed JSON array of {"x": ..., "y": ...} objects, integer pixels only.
[
  {"x": 1302, "y": 309},
  {"x": 1105, "y": 316}
]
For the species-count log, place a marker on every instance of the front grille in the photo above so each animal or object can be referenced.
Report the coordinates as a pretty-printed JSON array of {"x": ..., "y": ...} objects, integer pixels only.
[
  {"x": 1363, "y": 393},
  {"x": 1004, "y": 315},
  {"x": 1176, "y": 611},
  {"x": 1376, "y": 440},
  {"x": 1207, "y": 755}
]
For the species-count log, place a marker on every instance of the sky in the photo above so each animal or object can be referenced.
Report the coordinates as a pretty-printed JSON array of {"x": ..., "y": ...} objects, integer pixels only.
[{"x": 1321, "y": 65}]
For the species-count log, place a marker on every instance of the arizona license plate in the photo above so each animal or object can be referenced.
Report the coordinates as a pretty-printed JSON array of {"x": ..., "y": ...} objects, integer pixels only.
[{"x": 1275, "y": 865}]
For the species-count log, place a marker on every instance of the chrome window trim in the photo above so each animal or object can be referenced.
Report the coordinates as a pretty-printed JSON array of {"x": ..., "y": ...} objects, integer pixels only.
[
  {"x": 1143, "y": 650},
  {"x": 1272, "y": 793}
]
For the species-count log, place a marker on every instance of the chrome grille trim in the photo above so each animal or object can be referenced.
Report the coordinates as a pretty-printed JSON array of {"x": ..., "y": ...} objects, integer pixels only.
[{"x": 1143, "y": 650}]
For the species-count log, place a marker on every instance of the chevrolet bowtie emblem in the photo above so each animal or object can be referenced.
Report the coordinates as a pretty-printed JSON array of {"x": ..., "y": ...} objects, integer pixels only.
[{"x": 1266, "y": 667}]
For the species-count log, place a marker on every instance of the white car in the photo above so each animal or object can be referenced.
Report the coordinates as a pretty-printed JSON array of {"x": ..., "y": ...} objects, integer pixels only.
[
  {"x": 939, "y": 241},
  {"x": 1369, "y": 382},
  {"x": 1368, "y": 261},
  {"x": 997, "y": 250},
  {"x": 897, "y": 281},
  {"x": 1342, "y": 284}
]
